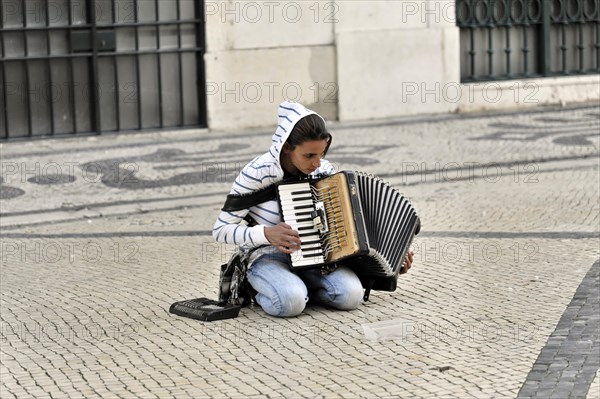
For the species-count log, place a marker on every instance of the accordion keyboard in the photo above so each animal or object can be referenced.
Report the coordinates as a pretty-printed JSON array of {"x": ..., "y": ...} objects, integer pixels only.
[{"x": 296, "y": 207}]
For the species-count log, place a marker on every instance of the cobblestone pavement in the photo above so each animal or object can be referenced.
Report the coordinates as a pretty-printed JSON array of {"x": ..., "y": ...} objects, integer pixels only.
[{"x": 100, "y": 235}]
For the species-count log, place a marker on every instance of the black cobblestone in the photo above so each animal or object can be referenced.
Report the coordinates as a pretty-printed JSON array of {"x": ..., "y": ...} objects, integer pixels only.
[{"x": 573, "y": 367}]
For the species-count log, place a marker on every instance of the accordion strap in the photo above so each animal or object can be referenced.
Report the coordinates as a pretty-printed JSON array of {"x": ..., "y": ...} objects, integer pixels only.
[{"x": 235, "y": 202}]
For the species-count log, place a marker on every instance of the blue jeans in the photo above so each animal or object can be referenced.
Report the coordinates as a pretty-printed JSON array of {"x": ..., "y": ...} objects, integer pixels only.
[{"x": 283, "y": 293}]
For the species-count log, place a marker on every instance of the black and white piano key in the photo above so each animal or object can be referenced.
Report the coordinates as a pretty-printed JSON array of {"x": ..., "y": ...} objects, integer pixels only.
[
  {"x": 294, "y": 187},
  {"x": 299, "y": 260},
  {"x": 295, "y": 209},
  {"x": 299, "y": 217},
  {"x": 295, "y": 201},
  {"x": 307, "y": 246}
]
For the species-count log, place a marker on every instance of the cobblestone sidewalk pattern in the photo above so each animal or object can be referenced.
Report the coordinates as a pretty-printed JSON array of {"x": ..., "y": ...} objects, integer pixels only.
[{"x": 100, "y": 235}]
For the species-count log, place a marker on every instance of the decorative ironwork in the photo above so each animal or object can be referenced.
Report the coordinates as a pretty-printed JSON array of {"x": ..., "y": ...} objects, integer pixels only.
[
  {"x": 92, "y": 66},
  {"x": 509, "y": 39}
]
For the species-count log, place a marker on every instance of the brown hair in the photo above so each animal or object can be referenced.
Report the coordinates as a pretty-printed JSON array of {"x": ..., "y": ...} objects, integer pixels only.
[{"x": 310, "y": 128}]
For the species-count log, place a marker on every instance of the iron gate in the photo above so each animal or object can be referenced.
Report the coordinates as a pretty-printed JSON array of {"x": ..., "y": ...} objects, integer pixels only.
[
  {"x": 509, "y": 39},
  {"x": 91, "y": 66}
]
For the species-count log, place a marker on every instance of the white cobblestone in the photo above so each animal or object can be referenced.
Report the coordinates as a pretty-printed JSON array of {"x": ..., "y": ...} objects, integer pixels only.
[{"x": 498, "y": 261}]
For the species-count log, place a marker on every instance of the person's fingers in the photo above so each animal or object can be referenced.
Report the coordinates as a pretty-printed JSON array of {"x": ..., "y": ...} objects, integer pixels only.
[
  {"x": 280, "y": 248},
  {"x": 286, "y": 226},
  {"x": 284, "y": 249},
  {"x": 407, "y": 264},
  {"x": 292, "y": 233},
  {"x": 288, "y": 235},
  {"x": 293, "y": 239},
  {"x": 288, "y": 229}
]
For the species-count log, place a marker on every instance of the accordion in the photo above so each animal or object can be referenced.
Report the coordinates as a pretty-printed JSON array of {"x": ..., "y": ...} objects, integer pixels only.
[{"x": 353, "y": 218}]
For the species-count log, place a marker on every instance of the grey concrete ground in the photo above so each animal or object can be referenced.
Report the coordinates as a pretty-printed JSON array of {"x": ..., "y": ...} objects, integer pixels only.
[{"x": 100, "y": 235}]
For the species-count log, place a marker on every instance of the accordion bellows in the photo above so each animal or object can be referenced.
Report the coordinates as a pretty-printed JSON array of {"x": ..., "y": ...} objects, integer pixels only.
[{"x": 349, "y": 217}]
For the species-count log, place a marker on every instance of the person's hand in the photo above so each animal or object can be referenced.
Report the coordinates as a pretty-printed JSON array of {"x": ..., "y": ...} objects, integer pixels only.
[
  {"x": 283, "y": 237},
  {"x": 407, "y": 262}
]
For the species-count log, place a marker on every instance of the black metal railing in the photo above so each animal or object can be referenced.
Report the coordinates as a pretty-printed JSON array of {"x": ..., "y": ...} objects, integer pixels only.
[
  {"x": 510, "y": 39},
  {"x": 92, "y": 66}
]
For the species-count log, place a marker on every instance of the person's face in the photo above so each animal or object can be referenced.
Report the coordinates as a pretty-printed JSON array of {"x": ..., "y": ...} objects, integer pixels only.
[{"x": 306, "y": 157}]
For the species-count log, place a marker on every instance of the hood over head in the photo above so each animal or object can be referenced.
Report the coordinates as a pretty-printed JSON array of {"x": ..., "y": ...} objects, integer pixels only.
[
  {"x": 289, "y": 113},
  {"x": 266, "y": 168}
]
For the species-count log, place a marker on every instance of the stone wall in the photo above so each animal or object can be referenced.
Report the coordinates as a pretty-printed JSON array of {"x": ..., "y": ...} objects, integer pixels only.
[
  {"x": 351, "y": 60},
  {"x": 260, "y": 53}
]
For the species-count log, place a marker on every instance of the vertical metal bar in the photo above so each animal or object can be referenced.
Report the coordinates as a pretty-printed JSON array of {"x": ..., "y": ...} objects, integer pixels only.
[
  {"x": 116, "y": 75},
  {"x": 49, "y": 69},
  {"x": 158, "y": 58},
  {"x": 544, "y": 54},
  {"x": 508, "y": 50},
  {"x": 563, "y": 36},
  {"x": 137, "y": 64},
  {"x": 71, "y": 72},
  {"x": 597, "y": 45},
  {"x": 26, "y": 53},
  {"x": 5, "y": 98},
  {"x": 95, "y": 106},
  {"x": 581, "y": 46},
  {"x": 525, "y": 50},
  {"x": 563, "y": 46},
  {"x": 200, "y": 42},
  {"x": 472, "y": 51},
  {"x": 4, "y": 111},
  {"x": 490, "y": 52},
  {"x": 180, "y": 61}
]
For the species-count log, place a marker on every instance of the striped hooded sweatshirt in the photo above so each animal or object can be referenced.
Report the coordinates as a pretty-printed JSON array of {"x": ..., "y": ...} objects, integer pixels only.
[{"x": 262, "y": 171}]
